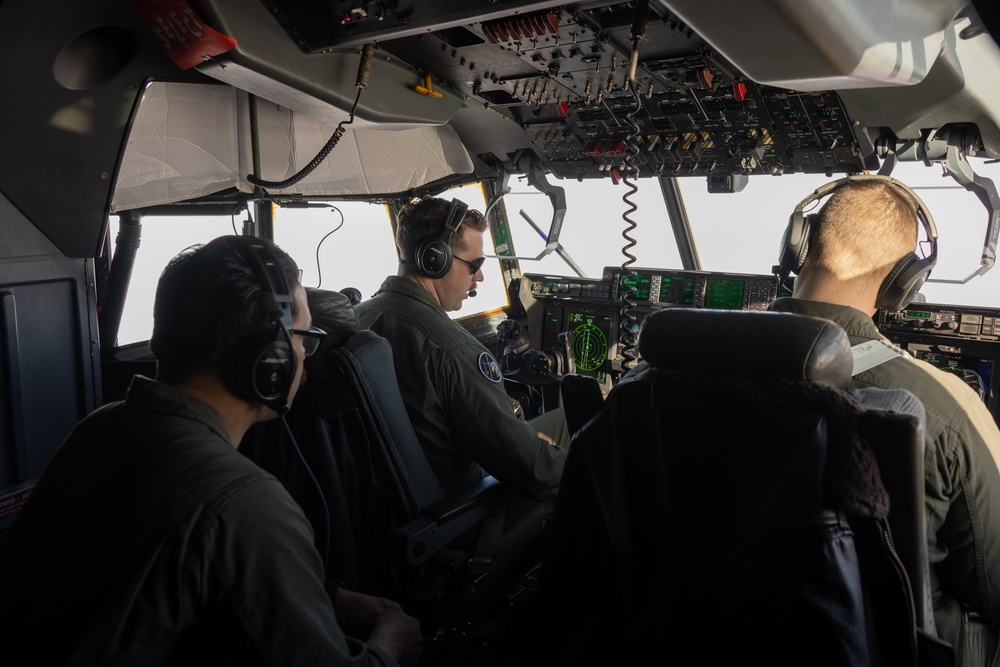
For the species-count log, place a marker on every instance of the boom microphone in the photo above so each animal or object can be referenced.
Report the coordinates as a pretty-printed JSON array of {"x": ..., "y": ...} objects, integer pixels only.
[{"x": 472, "y": 293}]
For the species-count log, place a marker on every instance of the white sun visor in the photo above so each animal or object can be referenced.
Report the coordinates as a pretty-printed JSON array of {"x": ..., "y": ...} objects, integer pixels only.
[{"x": 189, "y": 140}]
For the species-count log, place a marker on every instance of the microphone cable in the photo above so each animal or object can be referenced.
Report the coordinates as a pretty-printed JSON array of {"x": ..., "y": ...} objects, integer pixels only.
[{"x": 325, "y": 550}]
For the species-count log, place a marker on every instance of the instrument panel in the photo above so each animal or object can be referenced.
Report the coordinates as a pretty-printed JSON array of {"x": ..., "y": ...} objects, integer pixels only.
[
  {"x": 957, "y": 339},
  {"x": 599, "y": 317},
  {"x": 591, "y": 321},
  {"x": 659, "y": 288}
]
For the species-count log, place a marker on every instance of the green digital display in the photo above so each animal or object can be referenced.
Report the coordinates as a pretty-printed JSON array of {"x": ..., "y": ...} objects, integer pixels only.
[
  {"x": 591, "y": 342},
  {"x": 724, "y": 294},
  {"x": 639, "y": 283},
  {"x": 920, "y": 315}
]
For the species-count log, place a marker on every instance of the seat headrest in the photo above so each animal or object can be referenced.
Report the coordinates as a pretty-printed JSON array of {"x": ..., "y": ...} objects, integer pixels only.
[
  {"x": 328, "y": 392},
  {"x": 748, "y": 343},
  {"x": 333, "y": 313}
]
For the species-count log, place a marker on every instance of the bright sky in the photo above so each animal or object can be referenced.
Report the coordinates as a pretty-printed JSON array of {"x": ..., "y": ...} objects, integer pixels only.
[{"x": 736, "y": 233}]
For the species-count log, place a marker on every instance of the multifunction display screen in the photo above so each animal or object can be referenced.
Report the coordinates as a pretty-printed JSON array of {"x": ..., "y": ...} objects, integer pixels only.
[
  {"x": 977, "y": 372},
  {"x": 634, "y": 287},
  {"x": 725, "y": 294},
  {"x": 591, "y": 342},
  {"x": 677, "y": 290}
]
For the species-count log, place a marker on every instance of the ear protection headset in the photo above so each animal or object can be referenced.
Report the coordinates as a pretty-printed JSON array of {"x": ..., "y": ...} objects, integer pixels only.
[
  {"x": 264, "y": 363},
  {"x": 433, "y": 256},
  {"x": 906, "y": 277}
]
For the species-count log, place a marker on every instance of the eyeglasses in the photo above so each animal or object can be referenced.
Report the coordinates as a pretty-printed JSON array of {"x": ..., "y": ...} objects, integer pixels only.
[
  {"x": 474, "y": 265},
  {"x": 310, "y": 339}
]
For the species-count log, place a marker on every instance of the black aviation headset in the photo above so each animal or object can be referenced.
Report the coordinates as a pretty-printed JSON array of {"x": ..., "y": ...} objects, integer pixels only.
[
  {"x": 264, "y": 362},
  {"x": 906, "y": 277},
  {"x": 433, "y": 256}
]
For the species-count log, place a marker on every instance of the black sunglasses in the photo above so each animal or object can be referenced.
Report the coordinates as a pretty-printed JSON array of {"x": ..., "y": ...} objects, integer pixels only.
[
  {"x": 310, "y": 339},
  {"x": 474, "y": 265}
]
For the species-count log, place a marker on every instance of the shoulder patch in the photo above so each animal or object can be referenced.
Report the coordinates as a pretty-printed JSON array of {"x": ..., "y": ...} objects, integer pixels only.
[{"x": 489, "y": 367}]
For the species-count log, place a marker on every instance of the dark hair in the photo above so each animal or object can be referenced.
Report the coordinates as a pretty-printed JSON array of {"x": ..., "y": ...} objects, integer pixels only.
[
  {"x": 424, "y": 219},
  {"x": 207, "y": 303}
]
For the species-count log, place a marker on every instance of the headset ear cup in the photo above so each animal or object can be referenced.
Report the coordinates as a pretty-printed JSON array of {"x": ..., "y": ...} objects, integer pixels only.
[
  {"x": 434, "y": 258},
  {"x": 795, "y": 242},
  {"x": 272, "y": 372},
  {"x": 263, "y": 368},
  {"x": 903, "y": 282},
  {"x": 434, "y": 255},
  {"x": 263, "y": 364}
]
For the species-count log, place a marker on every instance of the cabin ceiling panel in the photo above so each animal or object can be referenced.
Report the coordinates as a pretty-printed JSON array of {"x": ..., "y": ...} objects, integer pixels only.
[{"x": 192, "y": 140}]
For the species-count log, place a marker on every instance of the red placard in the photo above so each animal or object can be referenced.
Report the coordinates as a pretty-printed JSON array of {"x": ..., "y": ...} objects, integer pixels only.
[
  {"x": 186, "y": 38},
  {"x": 9, "y": 505}
]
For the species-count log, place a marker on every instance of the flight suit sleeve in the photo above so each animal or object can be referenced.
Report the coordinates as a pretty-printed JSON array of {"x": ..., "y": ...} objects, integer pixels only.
[
  {"x": 272, "y": 578},
  {"x": 470, "y": 385},
  {"x": 964, "y": 505}
]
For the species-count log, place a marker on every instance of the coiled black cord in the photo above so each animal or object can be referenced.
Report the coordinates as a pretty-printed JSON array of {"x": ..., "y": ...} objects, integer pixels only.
[
  {"x": 630, "y": 173},
  {"x": 364, "y": 69},
  {"x": 315, "y": 162}
]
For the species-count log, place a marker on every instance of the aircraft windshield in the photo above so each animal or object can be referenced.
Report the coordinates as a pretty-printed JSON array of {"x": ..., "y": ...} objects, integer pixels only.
[{"x": 736, "y": 233}]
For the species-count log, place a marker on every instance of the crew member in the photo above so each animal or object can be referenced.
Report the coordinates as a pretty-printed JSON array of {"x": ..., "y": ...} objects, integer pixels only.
[
  {"x": 856, "y": 255},
  {"x": 451, "y": 385},
  {"x": 149, "y": 540}
]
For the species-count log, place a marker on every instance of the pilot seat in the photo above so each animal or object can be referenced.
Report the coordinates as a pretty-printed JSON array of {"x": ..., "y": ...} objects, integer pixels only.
[
  {"x": 349, "y": 456},
  {"x": 731, "y": 503}
]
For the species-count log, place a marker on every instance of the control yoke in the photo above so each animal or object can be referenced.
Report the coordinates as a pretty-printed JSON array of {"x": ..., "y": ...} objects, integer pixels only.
[
  {"x": 949, "y": 147},
  {"x": 527, "y": 163}
]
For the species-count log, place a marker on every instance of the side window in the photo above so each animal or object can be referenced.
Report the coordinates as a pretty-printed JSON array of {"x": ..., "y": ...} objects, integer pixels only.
[
  {"x": 162, "y": 238},
  {"x": 961, "y": 221},
  {"x": 338, "y": 244},
  {"x": 350, "y": 244}
]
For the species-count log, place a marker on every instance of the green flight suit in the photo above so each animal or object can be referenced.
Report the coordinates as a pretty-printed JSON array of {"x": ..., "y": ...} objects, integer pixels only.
[
  {"x": 962, "y": 484},
  {"x": 453, "y": 391}
]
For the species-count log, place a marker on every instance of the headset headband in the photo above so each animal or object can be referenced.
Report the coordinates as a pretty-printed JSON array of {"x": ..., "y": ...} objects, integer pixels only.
[
  {"x": 265, "y": 365},
  {"x": 433, "y": 255},
  {"x": 906, "y": 277}
]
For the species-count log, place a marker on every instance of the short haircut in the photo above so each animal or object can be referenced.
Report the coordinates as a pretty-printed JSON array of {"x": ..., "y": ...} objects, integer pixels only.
[
  {"x": 424, "y": 219},
  {"x": 863, "y": 230},
  {"x": 208, "y": 302}
]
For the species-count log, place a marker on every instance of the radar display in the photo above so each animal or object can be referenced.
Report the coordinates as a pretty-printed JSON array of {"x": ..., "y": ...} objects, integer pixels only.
[{"x": 590, "y": 341}]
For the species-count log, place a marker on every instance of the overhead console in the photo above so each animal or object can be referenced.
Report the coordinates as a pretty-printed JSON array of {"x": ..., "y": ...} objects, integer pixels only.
[
  {"x": 665, "y": 86},
  {"x": 697, "y": 118},
  {"x": 561, "y": 73},
  {"x": 958, "y": 339},
  {"x": 595, "y": 312}
]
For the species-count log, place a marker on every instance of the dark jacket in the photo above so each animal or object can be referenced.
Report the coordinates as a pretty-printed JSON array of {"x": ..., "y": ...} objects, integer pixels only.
[{"x": 150, "y": 540}]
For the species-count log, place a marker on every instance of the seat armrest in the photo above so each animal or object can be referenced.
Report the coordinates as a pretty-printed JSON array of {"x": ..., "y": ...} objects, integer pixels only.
[
  {"x": 444, "y": 521},
  {"x": 468, "y": 499},
  {"x": 582, "y": 399},
  {"x": 897, "y": 443}
]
